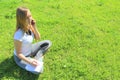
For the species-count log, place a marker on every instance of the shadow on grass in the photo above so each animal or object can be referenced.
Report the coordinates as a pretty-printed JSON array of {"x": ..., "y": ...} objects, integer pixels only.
[{"x": 10, "y": 70}]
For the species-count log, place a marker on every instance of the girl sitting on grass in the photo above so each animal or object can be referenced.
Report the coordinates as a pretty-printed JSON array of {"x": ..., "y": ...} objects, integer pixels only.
[{"x": 25, "y": 52}]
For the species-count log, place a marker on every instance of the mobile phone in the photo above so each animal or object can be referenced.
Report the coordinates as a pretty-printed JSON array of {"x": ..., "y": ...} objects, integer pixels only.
[{"x": 32, "y": 22}]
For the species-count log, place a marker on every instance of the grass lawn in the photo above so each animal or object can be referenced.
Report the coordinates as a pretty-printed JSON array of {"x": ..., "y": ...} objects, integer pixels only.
[{"x": 85, "y": 36}]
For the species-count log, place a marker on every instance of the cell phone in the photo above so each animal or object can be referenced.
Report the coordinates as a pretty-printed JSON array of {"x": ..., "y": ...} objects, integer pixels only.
[{"x": 32, "y": 22}]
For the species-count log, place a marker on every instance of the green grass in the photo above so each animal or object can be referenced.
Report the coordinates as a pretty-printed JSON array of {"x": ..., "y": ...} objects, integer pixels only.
[{"x": 85, "y": 36}]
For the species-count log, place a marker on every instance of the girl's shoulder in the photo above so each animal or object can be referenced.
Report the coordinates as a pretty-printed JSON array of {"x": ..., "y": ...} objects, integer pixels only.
[{"x": 18, "y": 34}]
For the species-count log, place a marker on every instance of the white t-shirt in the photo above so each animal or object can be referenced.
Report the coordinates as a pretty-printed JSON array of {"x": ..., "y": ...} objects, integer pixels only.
[{"x": 26, "y": 40}]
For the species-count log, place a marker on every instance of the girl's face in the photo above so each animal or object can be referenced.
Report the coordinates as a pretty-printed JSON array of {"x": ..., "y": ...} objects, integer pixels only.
[{"x": 29, "y": 17}]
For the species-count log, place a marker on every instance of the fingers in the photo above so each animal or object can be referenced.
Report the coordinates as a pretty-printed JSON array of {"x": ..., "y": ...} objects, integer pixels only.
[{"x": 34, "y": 62}]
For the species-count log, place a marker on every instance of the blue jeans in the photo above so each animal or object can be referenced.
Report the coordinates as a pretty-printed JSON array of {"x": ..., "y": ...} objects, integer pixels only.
[{"x": 38, "y": 50}]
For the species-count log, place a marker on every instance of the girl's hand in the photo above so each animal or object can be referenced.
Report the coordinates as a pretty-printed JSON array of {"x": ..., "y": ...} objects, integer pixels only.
[
  {"x": 33, "y": 25},
  {"x": 34, "y": 62}
]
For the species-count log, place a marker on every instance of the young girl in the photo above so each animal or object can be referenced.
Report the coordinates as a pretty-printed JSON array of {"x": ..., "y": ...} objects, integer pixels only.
[{"x": 25, "y": 52}]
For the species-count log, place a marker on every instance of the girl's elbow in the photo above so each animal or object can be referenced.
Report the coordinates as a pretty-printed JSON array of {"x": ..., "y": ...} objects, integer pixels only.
[{"x": 37, "y": 38}]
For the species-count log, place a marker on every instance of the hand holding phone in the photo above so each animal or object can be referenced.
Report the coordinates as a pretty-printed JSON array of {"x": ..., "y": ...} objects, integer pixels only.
[{"x": 33, "y": 22}]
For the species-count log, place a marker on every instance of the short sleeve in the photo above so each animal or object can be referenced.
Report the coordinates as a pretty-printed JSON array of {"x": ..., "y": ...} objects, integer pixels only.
[{"x": 18, "y": 35}]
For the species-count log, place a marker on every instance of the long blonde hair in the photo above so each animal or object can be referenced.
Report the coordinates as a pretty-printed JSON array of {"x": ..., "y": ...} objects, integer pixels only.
[{"x": 21, "y": 17}]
